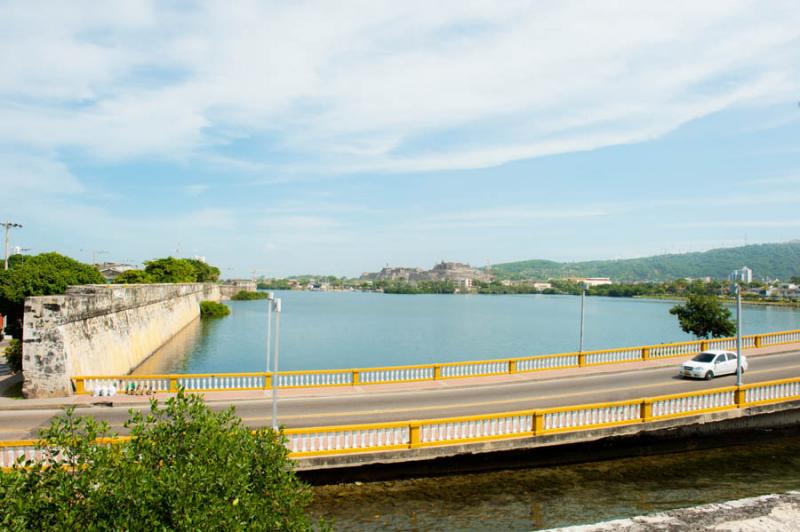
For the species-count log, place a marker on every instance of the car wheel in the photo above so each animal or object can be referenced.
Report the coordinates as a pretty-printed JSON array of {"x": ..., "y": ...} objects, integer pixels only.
[{"x": 709, "y": 375}]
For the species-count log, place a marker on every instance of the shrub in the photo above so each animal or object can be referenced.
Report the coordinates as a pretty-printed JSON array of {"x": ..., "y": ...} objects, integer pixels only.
[
  {"x": 39, "y": 275},
  {"x": 14, "y": 355},
  {"x": 185, "y": 468},
  {"x": 243, "y": 295},
  {"x": 134, "y": 277},
  {"x": 212, "y": 309}
]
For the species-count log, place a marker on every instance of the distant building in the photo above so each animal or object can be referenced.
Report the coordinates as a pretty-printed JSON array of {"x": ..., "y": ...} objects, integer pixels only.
[
  {"x": 455, "y": 272},
  {"x": 743, "y": 275},
  {"x": 593, "y": 281},
  {"x": 112, "y": 270}
]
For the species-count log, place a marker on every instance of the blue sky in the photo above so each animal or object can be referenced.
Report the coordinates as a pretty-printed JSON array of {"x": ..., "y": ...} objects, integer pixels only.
[{"x": 337, "y": 137}]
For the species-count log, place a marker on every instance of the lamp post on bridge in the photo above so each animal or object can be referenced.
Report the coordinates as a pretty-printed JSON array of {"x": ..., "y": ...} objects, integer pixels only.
[
  {"x": 583, "y": 300},
  {"x": 738, "y": 334},
  {"x": 276, "y": 303},
  {"x": 270, "y": 297}
]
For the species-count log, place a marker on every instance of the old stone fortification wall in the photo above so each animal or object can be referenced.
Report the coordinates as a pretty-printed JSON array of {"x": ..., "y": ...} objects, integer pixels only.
[
  {"x": 230, "y": 288},
  {"x": 102, "y": 330}
]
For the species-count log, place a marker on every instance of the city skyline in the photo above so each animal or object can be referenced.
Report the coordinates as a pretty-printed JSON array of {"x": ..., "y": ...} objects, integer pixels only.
[{"x": 337, "y": 139}]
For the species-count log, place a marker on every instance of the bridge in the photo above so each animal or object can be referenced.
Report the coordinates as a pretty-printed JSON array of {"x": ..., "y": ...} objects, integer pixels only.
[{"x": 419, "y": 412}]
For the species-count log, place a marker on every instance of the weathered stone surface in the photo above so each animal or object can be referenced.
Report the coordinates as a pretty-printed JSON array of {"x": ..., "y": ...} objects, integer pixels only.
[
  {"x": 103, "y": 330},
  {"x": 771, "y": 512}
]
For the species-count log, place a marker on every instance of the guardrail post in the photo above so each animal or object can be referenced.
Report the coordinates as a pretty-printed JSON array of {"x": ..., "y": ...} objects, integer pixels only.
[
  {"x": 703, "y": 345},
  {"x": 267, "y": 381},
  {"x": 173, "y": 384},
  {"x": 538, "y": 423},
  {"x": 437, "y": 372},
  {"x": 645, "y": 353},
  {"x": 581, "y": 360},
  {"x": 414, "y": 439},
  {"x": 741, "y": 397},
  {"x": 355, "y": 377},
  {"x": 757, "y": 340},
  {"x": 512, "y": 366},
  {"x": 80, "y": 386},
  {"x": 647, "y": 410}
]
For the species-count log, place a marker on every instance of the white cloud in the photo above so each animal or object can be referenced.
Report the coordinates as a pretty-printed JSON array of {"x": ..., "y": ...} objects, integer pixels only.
[
  {"x": 504, "y": 217},
  {"x": 705, "y": 224},
  {"x": 354, "y": 85},
  {"x": 22, "y": 174}
]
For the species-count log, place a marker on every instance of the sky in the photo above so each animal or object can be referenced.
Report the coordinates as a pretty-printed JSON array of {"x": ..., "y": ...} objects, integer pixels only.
[{"x": 280, "y": 138}]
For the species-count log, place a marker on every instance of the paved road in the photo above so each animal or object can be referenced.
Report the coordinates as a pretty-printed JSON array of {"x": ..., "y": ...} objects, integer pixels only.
[{"x": 421, "y": 404}]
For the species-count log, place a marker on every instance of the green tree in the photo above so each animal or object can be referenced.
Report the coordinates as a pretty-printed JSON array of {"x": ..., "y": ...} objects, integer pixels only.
[
  {"x": 185, "y": 468},
  {"x": 171, "y": 270},
  {"x": 243, "y": 295},
  {"x": 212, "y": 309},
  {"x": 134, "y": 277},
  {"x": 204, "y": 273},
  {"x": 704, "y": 316},
  {"x": 13, "y": 352},
  {"x": 39, "y": 275}
]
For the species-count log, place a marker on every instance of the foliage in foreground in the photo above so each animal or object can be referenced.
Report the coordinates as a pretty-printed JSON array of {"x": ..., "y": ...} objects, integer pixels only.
[
  {"x": 13, "y": 353},
  {"x": 243, "y": 295},
  {"x": 185, "y": 468},
  {"x": 704, "y": 316},
  {"x": 212, "y": 309},
  {"x": 39, "y": 275}
]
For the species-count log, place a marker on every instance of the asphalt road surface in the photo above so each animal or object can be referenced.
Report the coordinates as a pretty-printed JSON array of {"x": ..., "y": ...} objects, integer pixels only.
[{"x": 371, "y": 407}]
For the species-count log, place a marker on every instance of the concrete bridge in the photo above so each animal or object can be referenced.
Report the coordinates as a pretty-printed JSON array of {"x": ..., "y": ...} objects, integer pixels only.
[{"x": 336, "y": 428}]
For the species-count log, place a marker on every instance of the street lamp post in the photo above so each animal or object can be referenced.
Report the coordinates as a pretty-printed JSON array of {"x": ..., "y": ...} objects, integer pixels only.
[
  {"x": 7, "y": 226},
  {"x": 277, "y": 304},
  {"x": 583, "y": 299},
  {"x": 738, "y": 335},
  {"x": 270, "y": 297}
]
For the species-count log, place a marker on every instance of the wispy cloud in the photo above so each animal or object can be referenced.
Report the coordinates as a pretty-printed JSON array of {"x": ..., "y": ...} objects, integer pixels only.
[
  {"x": 504, "y": 217},
  {"x": 705, "y": 224},
  {"x": 366, "y": 86}
]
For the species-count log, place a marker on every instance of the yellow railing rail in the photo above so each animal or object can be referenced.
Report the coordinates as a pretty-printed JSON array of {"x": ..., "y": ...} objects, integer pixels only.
[
  {"x": 206, "y": 382},
  {"x": 396, "y": 435}
]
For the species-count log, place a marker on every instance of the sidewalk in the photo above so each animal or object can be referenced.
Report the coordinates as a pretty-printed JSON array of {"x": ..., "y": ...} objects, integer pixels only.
[{"x": 126, "y": 401}]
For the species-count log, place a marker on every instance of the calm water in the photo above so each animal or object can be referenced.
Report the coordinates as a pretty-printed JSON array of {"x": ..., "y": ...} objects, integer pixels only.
[
  {"x": 548, "y": 497},
  {"x": 321, "y": 330}
]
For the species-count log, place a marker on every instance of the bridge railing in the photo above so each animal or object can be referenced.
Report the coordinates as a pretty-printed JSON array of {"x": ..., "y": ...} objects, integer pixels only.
[
  {"x": 207, "y": 382},
  {"x": 372, "y": 437}
]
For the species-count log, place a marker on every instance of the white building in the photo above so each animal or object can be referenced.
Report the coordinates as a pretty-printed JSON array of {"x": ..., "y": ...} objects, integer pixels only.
[{"x": 743, "y": 275}]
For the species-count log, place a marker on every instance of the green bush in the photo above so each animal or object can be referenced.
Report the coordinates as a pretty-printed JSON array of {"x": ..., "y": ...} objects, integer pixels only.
[
  {"x": 243, "y": 295},
  {"x": 39, "y": 275},
  {"x": 185, "y": 468},
  {"x": 134, "y": 277},
  {"x": 212, "y": 309},
  {"x": 14, "y": 355}
]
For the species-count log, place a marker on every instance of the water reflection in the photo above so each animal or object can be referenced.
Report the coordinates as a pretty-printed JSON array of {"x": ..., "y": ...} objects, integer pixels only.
[
  {"x": 175, "y": 355},
  {"x": 565, "y": 495}
]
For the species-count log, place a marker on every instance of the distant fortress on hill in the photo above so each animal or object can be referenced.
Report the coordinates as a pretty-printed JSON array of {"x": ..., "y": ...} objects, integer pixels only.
[{"x": 456, "y": 272}]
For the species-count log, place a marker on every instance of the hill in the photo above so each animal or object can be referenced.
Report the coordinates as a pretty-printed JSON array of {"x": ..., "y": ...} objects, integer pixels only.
[{"x": 780, "y": 261}]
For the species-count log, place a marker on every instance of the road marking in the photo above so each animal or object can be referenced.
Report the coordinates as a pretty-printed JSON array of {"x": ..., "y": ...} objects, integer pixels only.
[{"x": 490, "y": 403}]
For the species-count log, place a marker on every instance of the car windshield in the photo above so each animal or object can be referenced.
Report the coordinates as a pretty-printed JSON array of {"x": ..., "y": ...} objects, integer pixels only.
[{"x": 704, "y": 357}]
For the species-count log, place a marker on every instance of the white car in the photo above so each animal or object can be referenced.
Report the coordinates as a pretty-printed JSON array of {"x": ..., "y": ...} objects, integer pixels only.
[{"x": 710, "y": 364}]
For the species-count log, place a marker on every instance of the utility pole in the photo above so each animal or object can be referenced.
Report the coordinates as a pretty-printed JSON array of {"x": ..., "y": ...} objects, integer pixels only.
[{"x": 7, "y": 226}]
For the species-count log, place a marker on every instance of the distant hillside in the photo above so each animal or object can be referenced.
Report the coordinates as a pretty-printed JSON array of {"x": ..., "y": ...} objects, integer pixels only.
[{"x": 780, "y": 261}]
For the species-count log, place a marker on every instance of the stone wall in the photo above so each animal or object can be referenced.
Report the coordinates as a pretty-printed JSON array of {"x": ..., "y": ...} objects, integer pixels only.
[
  {"x": 103, "y": 330},
  {"x": 230, "y": 288}
]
